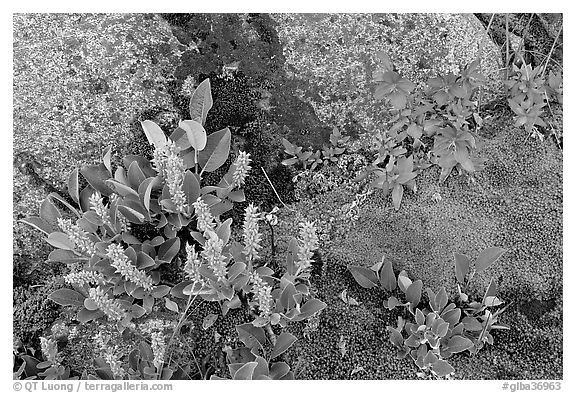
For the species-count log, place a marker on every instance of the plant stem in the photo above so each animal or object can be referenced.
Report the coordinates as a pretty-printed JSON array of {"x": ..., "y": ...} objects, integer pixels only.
[
  {"x": 273, "y": 246},
  {"x": 274, "y": 189},
  {"x": 551, "y": 50},
  {"x": 507, "y": 47}
]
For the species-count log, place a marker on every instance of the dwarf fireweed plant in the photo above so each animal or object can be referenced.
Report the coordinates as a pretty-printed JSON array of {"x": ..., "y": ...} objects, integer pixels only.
[
  {"x": 530, "y": 93},
  {"x": 126, "y": 222},
  {"x": 431, "y": 126},
  {"x": 441, "y": 328}
]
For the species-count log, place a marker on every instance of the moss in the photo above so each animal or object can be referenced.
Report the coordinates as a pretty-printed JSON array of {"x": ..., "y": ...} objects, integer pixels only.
[{"x": 33, "y": 313}]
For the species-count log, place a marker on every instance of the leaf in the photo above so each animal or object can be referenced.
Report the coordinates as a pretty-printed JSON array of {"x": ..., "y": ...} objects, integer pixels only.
[
  {"x": 169, "y": 249},
  {"x": 310, "y": 308},
  {"x": 96, "y": 176},
  {"x": 201, "y": 102},
  {"x": 246, "y": 371},
  {"x": 160, "y": 291},
  {"x": 208, "y": 321},
  {"x": 458, "y": 344},
  {"x": 131, "y": 214},
  {"x": 85, "y": 315},
  {"x": 65, "y": 256},
  {"x": 462, "y": 264},
  {"x": 60, "y": 240},
  {"x": 195, "y": 133},
  {"x": 283, "y": 342},
  {"x": 387, "y": 277},
  {"x": 90, "y": 304},
  {"x": 170, "y": 305},
  {"x": 414, "y": 293},
  {"x": 153, "y": 133},
  {"x": 442, "y": 368},
  {"x": 145, "y": 190},
  {"x": 223, "y": 230},
  {"x": 488, "y": 257},
  {"x": 403, "y": 281},
  {"x": 492, "y": 301},
  {"x": 279, "y": 370},
  {"x": 364, "y": 276},
  {"x": 135, "y": 175},
  {"x": 441, "y": 299},
  {"x": 73, "y": 185},
  {"x": 38, "y": 223},
  {"x": 396, "y": 337},
  {"x": 67, "y": 297},
  {"x": 216, "y": 152},
  {"x": 251, "y": 335},
  {"x": 397, "y": 193},
  {"x": 191, "y": 187}
]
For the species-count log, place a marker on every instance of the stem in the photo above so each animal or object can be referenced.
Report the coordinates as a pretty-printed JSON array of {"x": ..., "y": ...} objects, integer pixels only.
[
  {"x": 507, "y": 47},
  {"x": 274, "y": 189},
  {"x": 272, "y": 240},
  {"x": 182, "y": 318},
  {"x": 551, "y": 50}
]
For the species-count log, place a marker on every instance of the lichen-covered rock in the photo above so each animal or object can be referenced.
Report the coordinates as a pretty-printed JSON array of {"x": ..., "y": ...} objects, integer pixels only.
[
  {"x": 80, "y": 81},
  {"x": 336, "y": 55}
]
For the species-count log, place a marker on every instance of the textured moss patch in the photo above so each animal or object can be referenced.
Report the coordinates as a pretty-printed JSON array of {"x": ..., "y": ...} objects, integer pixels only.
[{"x": 515, "y": 203}]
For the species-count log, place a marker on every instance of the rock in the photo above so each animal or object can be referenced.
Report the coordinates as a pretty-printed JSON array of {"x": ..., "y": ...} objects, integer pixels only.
[
  {"x": 79, "y": 83},
  {"x": 336, "y": 55}
]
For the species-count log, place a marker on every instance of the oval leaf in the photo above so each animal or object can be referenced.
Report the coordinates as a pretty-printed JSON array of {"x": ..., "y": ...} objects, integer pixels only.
[
  {"x": 73, "y": 188},
  {"x": 442, "y": 368},
  {"x": 387, "y": 277},
  {"x": 153, "y": 133},
  {"x": 414, "y": 293},
  {"x": 283, "y": 342},
  {"x": 201, "y": 102},
  {"x": 170, "y": 305},
  {"x": 60, "y": 240},
  {"x": 67, "y": 297},
  {"x": 38, "y": 223},
  {"x": 246, "y": 371},
  {"x": 195, "y": 133},
  {"x": 364, "y": 276},
  {"x": 96, "y": 176},
  {"x": 462, "y": 263},
  {"x": 488, "y": 257},
  {"x": 216, "y": 152},
  {"x": 208, "y": 321},
  {"x": 191, "y": 187},
  {"x": 459, "y": 344}
]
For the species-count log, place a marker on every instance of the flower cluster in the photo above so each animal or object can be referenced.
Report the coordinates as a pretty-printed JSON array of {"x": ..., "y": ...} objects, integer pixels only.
[
  {"x": 263, "y": 294},
  {"x": 251, "y": 236},
  {"x": 84, "y": 277},
  {"x": 50, "y": 350},
  {"x": 213, "y": 254},
  {"x": 110, "y": 307},
  {"x": 158, "y": 349},
  {"x": 171, "y": 167},
  {"x": 97, "y": 204},
  {"x": 155, "y": 328},
  {"x": 203, "y": 216},
  {"x": 78, "y": 236},
  {"x": 241, "y": 168},
  {"x": 308, "y": 244},
  {"x": 120, "y": 261},
  {"x": 109, "y": 355},
  {"x": 192, "y": 265}
]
